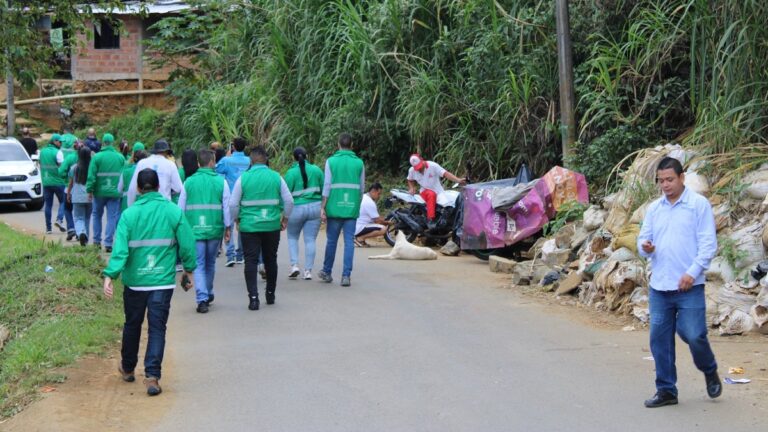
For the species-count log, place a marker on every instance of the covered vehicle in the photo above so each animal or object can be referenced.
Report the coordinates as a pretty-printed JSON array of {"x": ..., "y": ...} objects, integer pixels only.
[
  {"x": 20, "y": 181},
  {"x": 501, "y": 213}
]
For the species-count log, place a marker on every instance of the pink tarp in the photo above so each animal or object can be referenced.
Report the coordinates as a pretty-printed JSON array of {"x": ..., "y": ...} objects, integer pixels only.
[{"x": 486, "y": 228}]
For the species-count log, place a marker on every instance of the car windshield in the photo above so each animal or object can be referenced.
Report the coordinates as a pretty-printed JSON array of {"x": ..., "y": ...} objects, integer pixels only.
[{"x": 12, "y": 152}]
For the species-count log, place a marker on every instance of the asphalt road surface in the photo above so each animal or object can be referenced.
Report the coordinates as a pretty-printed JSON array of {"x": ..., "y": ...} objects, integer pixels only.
[{"x": 413, "y": 346}]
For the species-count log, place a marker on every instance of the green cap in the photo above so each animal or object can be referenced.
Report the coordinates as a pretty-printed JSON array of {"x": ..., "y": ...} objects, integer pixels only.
[
  {"x": 68, "y": 140},
  {"x": 55, "y": 137},
  {"x": 137, "y": 146},
  {"x": 107, "y": 138}
]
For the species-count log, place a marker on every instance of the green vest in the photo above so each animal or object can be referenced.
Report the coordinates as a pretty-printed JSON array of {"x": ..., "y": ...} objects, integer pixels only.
[
  {"x": 49, "y": 167},
  {"x": 183, "y": 177},
  {"x": 203, "y": 209},
  {"x": 127, "y": 175},
  {"x": 69, "y": 160},
  {"x": 345, "y": 195},
  {"x": 314, "y": 189},
  {"x": 104, "y": 173},
  {"x": 150, "y": 235},
  {"x": 260, "y": 202}
]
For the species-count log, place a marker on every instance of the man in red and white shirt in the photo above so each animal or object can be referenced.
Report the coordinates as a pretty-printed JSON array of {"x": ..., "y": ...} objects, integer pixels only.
[{"x": 428, "y": 175}]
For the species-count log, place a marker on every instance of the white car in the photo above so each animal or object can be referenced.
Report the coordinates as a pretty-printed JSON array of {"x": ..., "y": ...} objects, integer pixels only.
[{"x": 20, "y": 181}]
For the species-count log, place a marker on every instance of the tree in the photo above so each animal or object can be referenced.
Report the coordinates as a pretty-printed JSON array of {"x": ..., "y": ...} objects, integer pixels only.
[{"x": 27, "y": 54}]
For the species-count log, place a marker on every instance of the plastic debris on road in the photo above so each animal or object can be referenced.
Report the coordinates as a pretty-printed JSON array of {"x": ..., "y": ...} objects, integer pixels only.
[
  {"x": 48, "y": 269},
  {"x": 736, "y": 370},
  {"x": 728, "y": 380}
]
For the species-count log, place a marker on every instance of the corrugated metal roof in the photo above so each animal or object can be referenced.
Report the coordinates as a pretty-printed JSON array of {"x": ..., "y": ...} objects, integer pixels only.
[{"x": 158, "y": 7}]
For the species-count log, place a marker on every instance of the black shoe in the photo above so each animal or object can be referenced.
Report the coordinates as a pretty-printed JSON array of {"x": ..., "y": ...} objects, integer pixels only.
[
  {"x": 83, "y": 239},
  {"x": 714, "y": 386},
  {"x": 253, "y": 304},
  {"x": 108, "y": 249},
  {"x": 71, "y": 235},
  {"x": 661, "y": 399},
  {"x": 270, "y": 298},
  {"x": 210, "y": 299},
  {"x": 202, "y": 307}
]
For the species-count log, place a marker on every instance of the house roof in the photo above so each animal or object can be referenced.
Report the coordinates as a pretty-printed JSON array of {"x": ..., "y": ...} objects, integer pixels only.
[{"x": 157, "y": 7}]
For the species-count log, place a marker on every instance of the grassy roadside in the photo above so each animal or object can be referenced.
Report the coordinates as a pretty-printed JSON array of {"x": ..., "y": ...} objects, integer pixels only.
[{"x": 53, "y": 318}]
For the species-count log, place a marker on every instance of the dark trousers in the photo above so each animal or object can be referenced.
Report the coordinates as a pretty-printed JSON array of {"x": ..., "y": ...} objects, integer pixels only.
[
  {"x": 157, "y": 305},
  {"x": 264, "y": 244}
]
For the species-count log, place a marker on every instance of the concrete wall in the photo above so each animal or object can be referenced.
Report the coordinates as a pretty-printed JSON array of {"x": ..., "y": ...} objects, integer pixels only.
[{"x": 127, "y": 62}]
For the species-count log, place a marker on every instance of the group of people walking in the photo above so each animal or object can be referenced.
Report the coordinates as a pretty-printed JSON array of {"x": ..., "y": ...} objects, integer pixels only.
[{"x": 217, "y": 203}]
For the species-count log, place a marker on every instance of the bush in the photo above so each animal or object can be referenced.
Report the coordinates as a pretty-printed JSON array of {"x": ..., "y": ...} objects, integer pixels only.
[{"x": 597, "y": 158}]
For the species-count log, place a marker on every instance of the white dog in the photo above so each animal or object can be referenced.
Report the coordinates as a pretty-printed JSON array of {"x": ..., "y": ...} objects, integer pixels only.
[{"x": 406, "y": 251}]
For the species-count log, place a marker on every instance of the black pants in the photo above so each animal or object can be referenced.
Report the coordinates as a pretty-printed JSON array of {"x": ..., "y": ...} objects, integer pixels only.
[
  {"x": 156, "y": 304},
  {"x": 264, "y": 244}
]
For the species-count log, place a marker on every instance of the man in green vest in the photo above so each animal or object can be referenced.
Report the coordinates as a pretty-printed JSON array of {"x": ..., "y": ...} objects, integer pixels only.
[
  {"x": 205, "y": 201},
  {"x": 103, "y": 179},
  {"x": 342, "y": 192},
  {"x": 260, "y": 204},
  {"x": 145, "y": 254},
  {"x": 53, "y": 183}
]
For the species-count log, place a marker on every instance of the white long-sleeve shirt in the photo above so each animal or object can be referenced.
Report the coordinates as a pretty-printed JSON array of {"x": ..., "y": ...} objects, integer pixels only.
[
  {"x": 166, "y": 171},
  {"x": 237, "y": 194},
  {"x": 224, "y": 203}
]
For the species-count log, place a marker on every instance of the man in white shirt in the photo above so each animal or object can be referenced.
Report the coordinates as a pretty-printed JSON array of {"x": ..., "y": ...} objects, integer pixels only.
[
  {"x": 428, "y": 175},
  {"x": 369, "y": 223},
  {"x": 167, "y": 171}
]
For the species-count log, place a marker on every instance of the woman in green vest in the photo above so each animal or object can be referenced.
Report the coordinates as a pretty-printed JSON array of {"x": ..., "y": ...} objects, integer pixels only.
[
  {"x": 305, "y": 181},
  {"x": 126, "y": 175}
]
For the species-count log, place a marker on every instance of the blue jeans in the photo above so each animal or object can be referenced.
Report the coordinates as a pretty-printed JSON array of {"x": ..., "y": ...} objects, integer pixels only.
[
  {"x": 49, "y": 192},
  {"x": 113, "y": 214},
  {"x": 683, "y": 312},
  {"x": 206, "y": 268},
  {"x": 235, "y": 253},
  {"x": 82, "y": 213},
  {"x": 304, "y": 217},
  {"x": 335, "y": 226},
  {"x": 157, "y": 305}
]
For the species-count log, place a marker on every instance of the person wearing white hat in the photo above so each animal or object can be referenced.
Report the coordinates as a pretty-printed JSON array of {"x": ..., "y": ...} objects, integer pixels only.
[{"x": 428, "y": 174}]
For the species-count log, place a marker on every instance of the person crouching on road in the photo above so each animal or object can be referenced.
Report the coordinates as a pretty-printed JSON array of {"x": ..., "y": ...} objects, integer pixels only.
[
  {"x": 678, "y": 236},
  {"x": 259, "y": 197},
  {"x": 205, "y": 202},
  {"x": 305, "y": 182},
  {"x": 369, "y": 224},
  {"x": 145, "y": 254}
]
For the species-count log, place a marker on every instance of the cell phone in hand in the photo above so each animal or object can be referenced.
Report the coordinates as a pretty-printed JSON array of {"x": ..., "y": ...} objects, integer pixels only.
[{"x": 186, "y": 284}]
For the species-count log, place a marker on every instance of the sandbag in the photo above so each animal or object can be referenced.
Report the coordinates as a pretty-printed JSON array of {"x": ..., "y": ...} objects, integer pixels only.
[
  {"x": 639, "y": 214},
  {"x": 748, "y": 240},
  {"x": 450, "y": 249},
  {"x": 696, "y": 182},
  {"x": 594, "y": 218},
  {"x": 757, "y": 182},
  {"x": 720, "y": 271},
  {"x": 627, "y": 238},
  {"x": 733, "y": 310}
]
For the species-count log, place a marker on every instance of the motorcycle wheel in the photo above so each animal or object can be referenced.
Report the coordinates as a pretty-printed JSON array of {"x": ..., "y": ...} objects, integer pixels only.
[
  {"x": 483, "y": 254},
  {"x": 391, "y": 233}
]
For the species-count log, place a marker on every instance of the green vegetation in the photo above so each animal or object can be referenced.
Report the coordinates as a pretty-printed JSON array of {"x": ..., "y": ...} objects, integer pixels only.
[
  {"x": 54, "y": 317},
  {"x": 568, "y": 212},
  {"x": 730, "y": 251},
  {"x": 146, "y": 125},
  {"x": 471, "y": 83}
]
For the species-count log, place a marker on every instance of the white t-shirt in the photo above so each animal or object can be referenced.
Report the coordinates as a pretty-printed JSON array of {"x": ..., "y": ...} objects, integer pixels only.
[
  {"x": 167, "y": 173},
  {"x": 430, "y": 179},
  {"x": 368, "y": 214}
]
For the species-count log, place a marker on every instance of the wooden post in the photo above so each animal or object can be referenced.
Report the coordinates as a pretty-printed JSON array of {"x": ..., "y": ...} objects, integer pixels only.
[
  {"x": 565, "y": 69},
  {"x": 140, "y": 65}
]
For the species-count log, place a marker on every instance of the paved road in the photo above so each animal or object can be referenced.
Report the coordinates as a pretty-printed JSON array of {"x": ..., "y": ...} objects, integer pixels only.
[{"x": 414, "y": 346}]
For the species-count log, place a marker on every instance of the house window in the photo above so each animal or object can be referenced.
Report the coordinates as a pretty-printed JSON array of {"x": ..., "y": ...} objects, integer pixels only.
[{"x": 105, "y": 36}]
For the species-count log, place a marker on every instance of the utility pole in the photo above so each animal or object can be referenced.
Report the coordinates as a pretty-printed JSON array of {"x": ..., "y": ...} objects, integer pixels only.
[
  {"x": 11, "y": 117},
  {"x": 565, "y": 69}
]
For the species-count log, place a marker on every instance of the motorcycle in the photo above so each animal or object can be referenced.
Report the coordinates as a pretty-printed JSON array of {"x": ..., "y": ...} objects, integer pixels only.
[{"x": 410, "y": 217}]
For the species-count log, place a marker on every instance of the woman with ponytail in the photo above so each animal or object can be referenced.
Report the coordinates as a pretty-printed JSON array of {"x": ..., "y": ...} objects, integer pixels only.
[{"x": 305, "y": 181}]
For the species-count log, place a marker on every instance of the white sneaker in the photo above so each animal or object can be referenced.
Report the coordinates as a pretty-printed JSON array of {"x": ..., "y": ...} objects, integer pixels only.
[
  {"x": 307, "y": 275},
  {"x": 294, "y": 272}
]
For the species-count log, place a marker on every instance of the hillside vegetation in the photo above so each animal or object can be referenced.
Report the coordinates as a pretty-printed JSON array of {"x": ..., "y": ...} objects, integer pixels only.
[{"x": 470, "y": 82}]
